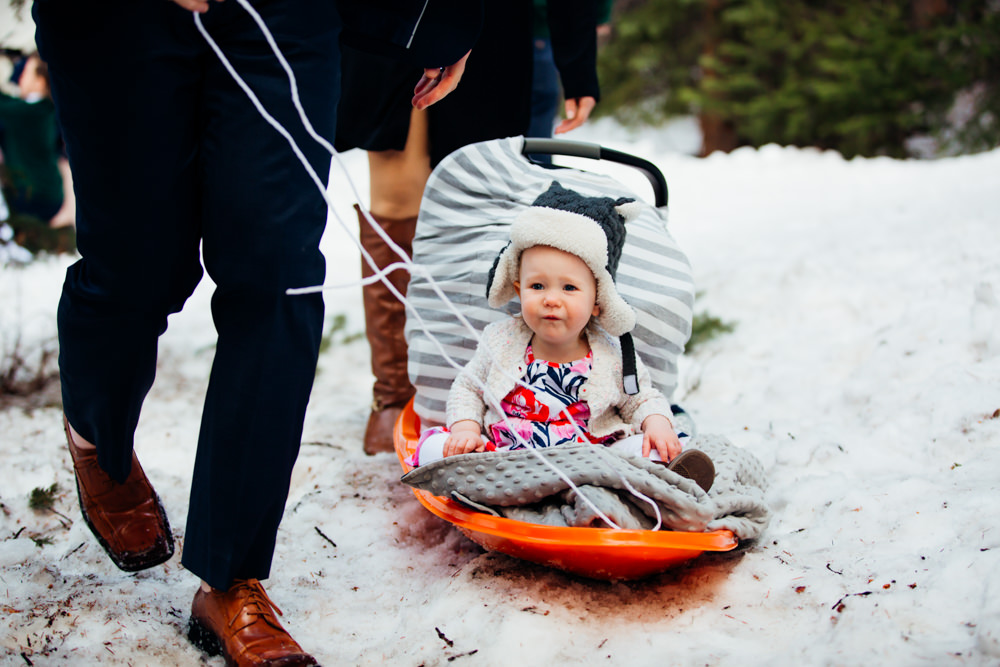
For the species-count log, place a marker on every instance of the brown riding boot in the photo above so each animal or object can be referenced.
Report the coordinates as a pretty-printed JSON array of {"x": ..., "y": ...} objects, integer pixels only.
[{"x": 385, "y": 317}]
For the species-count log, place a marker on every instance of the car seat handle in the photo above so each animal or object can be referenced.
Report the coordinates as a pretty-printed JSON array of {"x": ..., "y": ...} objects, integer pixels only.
[{"x": 535, "y": 145}]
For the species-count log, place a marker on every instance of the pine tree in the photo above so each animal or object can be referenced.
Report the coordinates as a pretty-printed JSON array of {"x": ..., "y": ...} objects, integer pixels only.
[{"x": 859, "y": 77}]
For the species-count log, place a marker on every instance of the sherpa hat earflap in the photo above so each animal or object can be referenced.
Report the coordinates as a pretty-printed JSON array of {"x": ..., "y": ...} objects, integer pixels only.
[{"x": 593, "y": 229}]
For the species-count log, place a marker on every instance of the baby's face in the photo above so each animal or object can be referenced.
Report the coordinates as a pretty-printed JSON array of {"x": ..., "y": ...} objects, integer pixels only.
[{"x": 558, "y": 295}]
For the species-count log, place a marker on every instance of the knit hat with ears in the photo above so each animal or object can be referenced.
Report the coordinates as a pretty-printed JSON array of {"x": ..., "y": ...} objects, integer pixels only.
[{"x": 593, "y": 229}]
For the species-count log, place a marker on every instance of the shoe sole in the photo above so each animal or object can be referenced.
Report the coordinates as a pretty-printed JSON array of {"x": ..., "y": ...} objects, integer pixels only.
[
  {"x": 696, "y": 466},
  {"x": 203, "y": 638}
]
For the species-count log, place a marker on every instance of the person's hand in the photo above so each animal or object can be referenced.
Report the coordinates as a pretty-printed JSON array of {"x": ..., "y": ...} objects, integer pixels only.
[
  {"x": 577, "y": 112},
  {"x": 62, "y": 218},
  {"x": 436, "y": 83},
  {"x": 199, "y": 6},
  {"x": 657, "y": 432},
  {"x": 465, "y": 437}
]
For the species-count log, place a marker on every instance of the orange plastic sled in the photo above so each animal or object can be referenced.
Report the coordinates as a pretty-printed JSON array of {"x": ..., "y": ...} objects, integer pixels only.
[{"x": 598, "y": 553}]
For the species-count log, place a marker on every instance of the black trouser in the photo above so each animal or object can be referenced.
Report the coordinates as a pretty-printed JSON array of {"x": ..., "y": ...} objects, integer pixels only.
[{"x": 168, "y": 154}]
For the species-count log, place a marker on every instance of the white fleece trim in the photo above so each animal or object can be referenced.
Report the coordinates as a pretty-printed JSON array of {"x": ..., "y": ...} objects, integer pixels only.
[{"x": 573, "y": 233}]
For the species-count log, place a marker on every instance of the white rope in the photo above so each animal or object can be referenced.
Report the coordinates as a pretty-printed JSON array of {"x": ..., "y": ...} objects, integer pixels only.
[
  {"x": 380, "y": 273},
  {"x": 406, "y": 263},
  {"x": 603, "y": 454},
  {"x": 307, "y": 124}
]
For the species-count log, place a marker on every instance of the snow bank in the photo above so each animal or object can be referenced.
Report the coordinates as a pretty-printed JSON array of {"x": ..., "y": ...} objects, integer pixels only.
[{"x": 862, "y": 371}]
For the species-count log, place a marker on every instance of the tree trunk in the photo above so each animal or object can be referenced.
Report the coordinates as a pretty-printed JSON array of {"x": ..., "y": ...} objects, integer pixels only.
[{"x": 717, "y": 133}]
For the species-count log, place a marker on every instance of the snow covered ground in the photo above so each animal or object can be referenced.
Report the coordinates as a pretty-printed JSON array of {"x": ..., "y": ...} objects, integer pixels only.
[{"x": 863, "y": 371}]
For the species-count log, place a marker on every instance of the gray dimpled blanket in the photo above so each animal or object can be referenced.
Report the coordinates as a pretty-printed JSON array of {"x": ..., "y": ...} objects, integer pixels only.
[{"x": 523, "y": 486}]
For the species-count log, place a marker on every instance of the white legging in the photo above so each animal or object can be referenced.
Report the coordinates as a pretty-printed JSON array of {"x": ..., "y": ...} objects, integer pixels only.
[{"x": 432, "y": 448}]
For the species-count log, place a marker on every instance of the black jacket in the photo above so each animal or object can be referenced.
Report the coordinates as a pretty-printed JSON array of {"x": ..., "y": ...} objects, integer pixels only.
[{"x": 424, "y": 33}]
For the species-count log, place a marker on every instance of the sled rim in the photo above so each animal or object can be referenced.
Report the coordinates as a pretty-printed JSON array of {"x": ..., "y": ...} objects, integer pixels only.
[{"x": 651, "y": 550}]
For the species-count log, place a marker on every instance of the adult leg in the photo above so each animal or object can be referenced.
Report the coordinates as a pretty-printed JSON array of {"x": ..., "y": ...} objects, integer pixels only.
[
  {"x": 397, "y": 184},
  {"x": 398, "y": 177},
  {"x": 263, "y": 219},
  {"x": 544, "y": 95},
  {"x": 137, "y": 208},
  {"x": 131, "y": 141},
  {"x": 544, "y": 90}
]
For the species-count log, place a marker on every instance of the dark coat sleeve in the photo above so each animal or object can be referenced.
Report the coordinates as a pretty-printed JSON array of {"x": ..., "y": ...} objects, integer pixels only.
[
  {"x": 573, "y": 26},
  {"x": 424, "y": 33}
]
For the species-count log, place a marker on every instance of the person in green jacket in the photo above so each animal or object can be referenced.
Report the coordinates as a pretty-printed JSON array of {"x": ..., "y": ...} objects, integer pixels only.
[{"x": 32, "y": 183}]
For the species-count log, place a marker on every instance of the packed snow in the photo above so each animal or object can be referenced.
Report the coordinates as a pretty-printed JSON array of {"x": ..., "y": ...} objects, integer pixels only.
[{"x": 863, "y": 371}]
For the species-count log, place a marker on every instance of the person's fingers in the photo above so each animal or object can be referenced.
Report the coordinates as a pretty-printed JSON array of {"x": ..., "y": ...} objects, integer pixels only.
[
  {"x": 428, "y": 80},
  {"x": 567, "y": 123},
  {"x": 422, "y": 91},
  {"x": 199, "y": 6},
  {"x": 662, "y": 450},
  {"x": 577, "y": 112},
  {"x": 435, "y": 85},
  {"x": 585, "y": 107},
  {"x": 673, "y": 447},
  {"x": 454, "y": 446}
]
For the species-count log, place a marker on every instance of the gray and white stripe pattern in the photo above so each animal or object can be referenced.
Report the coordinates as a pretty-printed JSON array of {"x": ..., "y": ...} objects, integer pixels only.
[{"x": 470, "y": 200}]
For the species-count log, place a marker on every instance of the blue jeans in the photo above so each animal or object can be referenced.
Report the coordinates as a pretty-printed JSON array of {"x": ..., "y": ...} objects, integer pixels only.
[
  {"x": 544, "y": 94},
  {"x": 544, "y": 91}
]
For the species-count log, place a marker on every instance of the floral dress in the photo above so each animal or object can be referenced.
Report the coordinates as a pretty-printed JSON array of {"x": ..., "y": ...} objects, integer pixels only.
[{"x": 538, "y": 415}]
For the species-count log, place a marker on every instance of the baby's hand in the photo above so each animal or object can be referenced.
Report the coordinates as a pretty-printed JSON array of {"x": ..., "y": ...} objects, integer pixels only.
[
  {"x": 465, "y": 437},
  {"x": 659, "y": 433}
]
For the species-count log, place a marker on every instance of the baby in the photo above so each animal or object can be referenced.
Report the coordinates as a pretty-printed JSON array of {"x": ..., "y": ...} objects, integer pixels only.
[{"x": 577, "y": 382}]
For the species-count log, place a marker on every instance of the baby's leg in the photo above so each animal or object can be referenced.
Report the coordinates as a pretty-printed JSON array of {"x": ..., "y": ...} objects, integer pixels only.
[
  {"x": 690, "y": 463},
  {"x": 632, "y": 446},
  {"x": 431, "y": 447}
]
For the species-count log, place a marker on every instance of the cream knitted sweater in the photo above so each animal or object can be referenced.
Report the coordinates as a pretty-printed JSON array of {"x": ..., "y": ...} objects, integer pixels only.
[{"x": 611, "y": 409}]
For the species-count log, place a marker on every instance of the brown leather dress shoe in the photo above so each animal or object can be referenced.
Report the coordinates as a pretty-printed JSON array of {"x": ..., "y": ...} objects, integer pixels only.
[
  {"x": 241, "y": 625},
  {"x": 127, "y": 519}
]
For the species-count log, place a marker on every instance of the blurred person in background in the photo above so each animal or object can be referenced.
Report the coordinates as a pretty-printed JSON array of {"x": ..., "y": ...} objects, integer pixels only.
[
  {"x": 32, "y": 181},
  {"x": 37, "y": 183}
]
